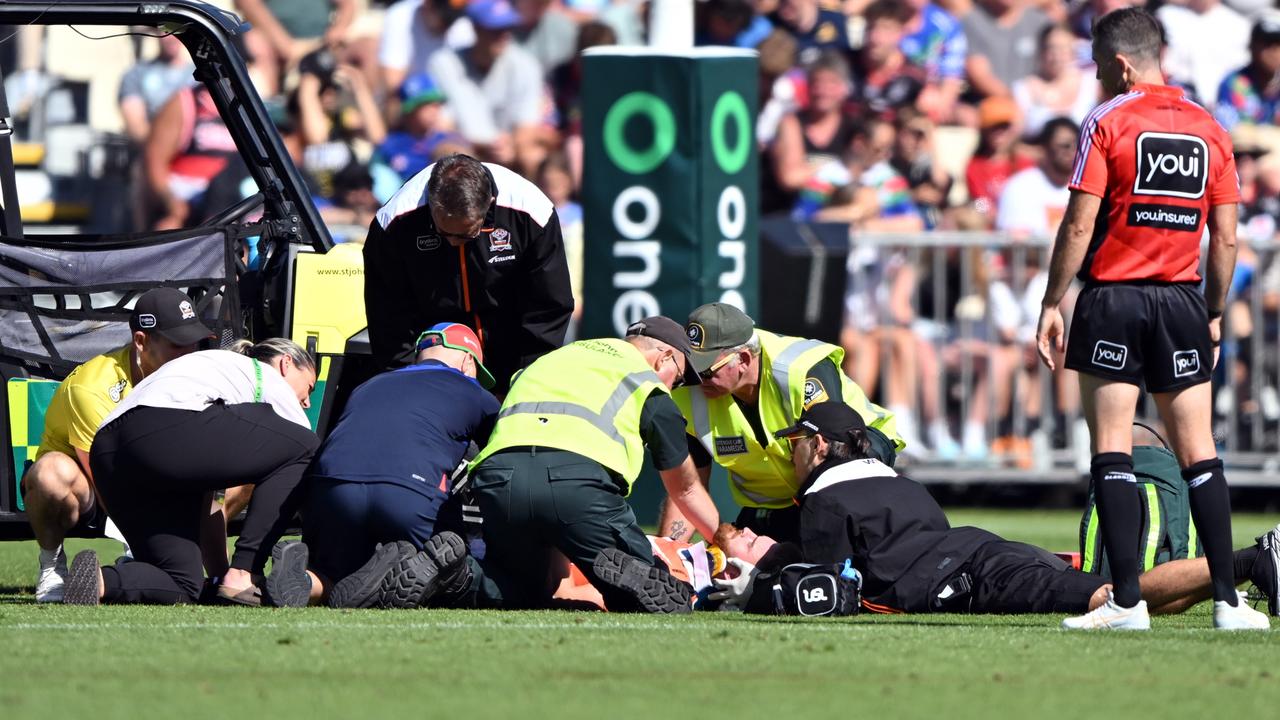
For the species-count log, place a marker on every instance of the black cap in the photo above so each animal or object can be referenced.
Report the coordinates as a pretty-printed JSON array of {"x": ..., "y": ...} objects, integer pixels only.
[
  {"x": 668, "y": 331},
  {"x": 832, "y": 420},
  {"x": 169, "y": 313},
  {"x": 1266, "y": 29},
  {"x": 714, "y": 328}
]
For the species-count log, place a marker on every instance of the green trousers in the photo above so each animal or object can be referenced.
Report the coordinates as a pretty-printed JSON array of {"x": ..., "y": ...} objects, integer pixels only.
[{"x": 534, "y": 500}]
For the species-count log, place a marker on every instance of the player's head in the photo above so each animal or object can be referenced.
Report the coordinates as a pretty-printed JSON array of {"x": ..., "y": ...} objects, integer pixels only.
[
  {"x": 1126, "y": 46},
  {"x": 826, "y": 431},
  {"x": 743, "y": 544}
]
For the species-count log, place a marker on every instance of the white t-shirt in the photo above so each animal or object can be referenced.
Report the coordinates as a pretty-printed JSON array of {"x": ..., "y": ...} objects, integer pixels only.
[
  {"x": 1035, "y": 115},
  {"x": 196, "y": 381},
  {"x": 1203, "y": 48},
  {"x": 1032, "y": 205},
  {"x": 406, "y": 43}
]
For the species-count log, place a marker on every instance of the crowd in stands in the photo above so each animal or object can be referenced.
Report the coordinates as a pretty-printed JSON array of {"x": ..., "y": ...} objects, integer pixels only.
[{"x": 895, "y": 116}]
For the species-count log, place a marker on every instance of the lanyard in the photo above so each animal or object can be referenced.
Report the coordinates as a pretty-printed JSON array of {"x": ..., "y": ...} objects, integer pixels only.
[{"x": 257, "y": 381}]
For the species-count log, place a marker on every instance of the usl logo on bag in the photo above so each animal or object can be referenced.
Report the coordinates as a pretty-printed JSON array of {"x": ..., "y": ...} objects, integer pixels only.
[
  {"x": 1171, "y": 164},
  {"x": 816, "y": 594},
  {"x": 1110, "y": 355},
  {"x": 1186, "y": 362}
]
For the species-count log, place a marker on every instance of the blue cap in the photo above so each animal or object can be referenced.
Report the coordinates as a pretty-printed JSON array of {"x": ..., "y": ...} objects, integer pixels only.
[
  {"x": 493, "y": 14},
  {"x": 419, "y": 89}
]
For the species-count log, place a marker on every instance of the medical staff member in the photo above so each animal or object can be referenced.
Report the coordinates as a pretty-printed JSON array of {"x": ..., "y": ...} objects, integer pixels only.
[{"x": 755, "y": 383}]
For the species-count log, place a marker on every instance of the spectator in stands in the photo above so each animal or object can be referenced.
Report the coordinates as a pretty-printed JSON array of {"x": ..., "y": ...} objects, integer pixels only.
[
  {"x": 1206, "y": 40},
  {"x": 338, "y": 117},
  {"x": 913, "y": 158},
  {"x": 546, "y": 32},
  {"x": 883, "y": 81},
  {"x": 815, "y": 28},
  {"x": 869, "y": 153},
  {"x": 555, "y": 180},
  {"x": 935, "y": 41},
  {"x": 285, "y": 31},
  {"x": 998, "y": 155},
  {"x": 1002, "y": 38},
  {"x": 566, "y": 91},
  {"x": 147, "y": 86},
  {"x": 408, "y": 149},
  {"x": 413, "y": 30},
  {"x": 495, "y": 88},
  {"x": 1058, "y": 88},
  {"x": 807, "y": 157},
  {"x": 58, "y": 488},
  {"x": 780, "y": 84},
  {"x": 1034, "y": 200},
  {"x": 734, "y": 23},
  {"x": 188, "y": 146},
  {"x": 1251, "y": 95}
]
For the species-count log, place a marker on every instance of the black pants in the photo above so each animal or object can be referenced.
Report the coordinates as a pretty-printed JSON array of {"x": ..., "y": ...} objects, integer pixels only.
[
  {"x": 536, "y": 499},
  {"x": 154, "y": 468},
  {"x": 1014, "y": 578}
]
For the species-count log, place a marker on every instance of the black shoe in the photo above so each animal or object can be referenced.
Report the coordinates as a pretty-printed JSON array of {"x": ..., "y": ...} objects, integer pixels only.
[
  {"x": 360, "y": 589},
  {"x": 1266, "y": 569},
  {"x": 651, "y": 586},
  {"x": 81, "y": 587},
  {"x": 288, "y": 585},
  {"x": 411, "y": 582},
  {"x": 449, "y": 552}
]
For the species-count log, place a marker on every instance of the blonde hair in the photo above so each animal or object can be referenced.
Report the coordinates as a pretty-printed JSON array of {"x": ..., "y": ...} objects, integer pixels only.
[{"x": 272, "y": 348}]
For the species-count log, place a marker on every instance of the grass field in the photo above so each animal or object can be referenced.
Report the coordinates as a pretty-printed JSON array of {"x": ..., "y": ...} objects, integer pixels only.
[{"x": 196, "y": 662}]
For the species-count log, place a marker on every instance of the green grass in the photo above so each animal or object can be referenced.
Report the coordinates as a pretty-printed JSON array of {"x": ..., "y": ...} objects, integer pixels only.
[{"x": 233, "y": 662}]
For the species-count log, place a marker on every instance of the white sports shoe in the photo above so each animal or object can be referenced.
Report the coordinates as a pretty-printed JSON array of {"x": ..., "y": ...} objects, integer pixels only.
[
  {"x": 53, "y": 575},
  {"x": 1238, "y": 617},
  {"x": 1110, "y": 616}
]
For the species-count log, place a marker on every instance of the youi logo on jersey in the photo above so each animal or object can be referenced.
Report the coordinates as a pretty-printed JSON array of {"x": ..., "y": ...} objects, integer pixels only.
[{"x": 1171, "y": 164}]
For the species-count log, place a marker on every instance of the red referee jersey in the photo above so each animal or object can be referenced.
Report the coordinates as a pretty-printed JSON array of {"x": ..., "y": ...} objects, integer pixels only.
[{"x": 1159, "y": 162}]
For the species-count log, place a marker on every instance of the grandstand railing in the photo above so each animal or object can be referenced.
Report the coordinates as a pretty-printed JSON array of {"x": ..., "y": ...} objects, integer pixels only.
[{"x": 956, "y": 273}]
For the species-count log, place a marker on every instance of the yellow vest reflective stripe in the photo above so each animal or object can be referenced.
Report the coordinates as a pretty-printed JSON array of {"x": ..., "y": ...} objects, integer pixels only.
[
  {"x": 764, "y": 476},
  {"x": 551, "y": 405}
]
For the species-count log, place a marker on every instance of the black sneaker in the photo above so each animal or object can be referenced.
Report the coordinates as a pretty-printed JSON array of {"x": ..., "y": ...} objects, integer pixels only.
[
  {"x": 412, "y": 581},
  {"x": 449, "y": 552},
  {"x": 360, "y": 589},
  {"x": 83, "y": 580},
  {"x": 288, "y": 585},
  {"x": 652, "y": 586},
  {"x": 1266, "y": 569}
]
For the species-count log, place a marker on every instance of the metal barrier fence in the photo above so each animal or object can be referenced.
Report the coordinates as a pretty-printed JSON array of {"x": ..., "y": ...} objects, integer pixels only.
[{"x": 940, "y": 327}]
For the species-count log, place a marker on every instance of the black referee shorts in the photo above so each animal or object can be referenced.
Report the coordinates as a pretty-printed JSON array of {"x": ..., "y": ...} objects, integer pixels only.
[
  {"x": 1013, "y": 577},
  {"x": 1152, "y": 335}
]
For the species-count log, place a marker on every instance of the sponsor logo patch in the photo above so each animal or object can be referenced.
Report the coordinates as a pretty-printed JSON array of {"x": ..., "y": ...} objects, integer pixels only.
[
  {"x": 184, "y": 307},
  {"x": 1186, "y": 363},
  {"x": 1171, "y": 164},
  {"x": 501, "y": 259},
  {"x": 428, "y": 242},
  {"x": 146, "y": 321},
  {"x": 814, "y": 392},
  {"x": 499, "y": 240},
  {"x": 1110, "y": 355},
  {"x": 736, "y": 445},
  {"x": 696, "y": 335},
  {"x": 115, "y": 392},
  {"x": 816, "y": 594},
  {"x": 1165, "y": 217}
]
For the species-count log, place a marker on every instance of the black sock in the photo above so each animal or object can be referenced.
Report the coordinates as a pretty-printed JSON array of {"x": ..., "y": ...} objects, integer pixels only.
[
  {"x": 1119, "y": 514},
  {"x": 1242, "y": 564},
  {"x": 1211, "y": 511}
]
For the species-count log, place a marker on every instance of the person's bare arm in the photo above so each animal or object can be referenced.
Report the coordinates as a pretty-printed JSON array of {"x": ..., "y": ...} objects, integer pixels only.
[
  {"x": 1068, "y": 255},
  {"x": 983, "y": 78},
  {"x": 375, "y": 130},
  {"x": 261, "y": 19},
  {"x": 313, "y": 120},
  {"x": 162, "y": 146},
  {"x": 344, "y": 13},
  {"x": 688, "y": 505},
  {"x": 133, "y": 110},
  {"x": 790, "y": 168},
  {"x": 1221, "y": 264}
]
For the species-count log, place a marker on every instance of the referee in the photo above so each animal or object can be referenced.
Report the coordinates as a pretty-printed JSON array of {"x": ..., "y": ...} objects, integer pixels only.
[{"x": 1152, "y": 169}]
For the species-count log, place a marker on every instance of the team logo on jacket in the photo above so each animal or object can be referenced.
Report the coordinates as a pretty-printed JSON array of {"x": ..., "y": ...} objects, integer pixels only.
[
  {"x": 499, "y": 240},
  {"x": 428, "y": 242},
  {"x": 1110, "y": 355},
  {"x": 814, "y": 392},
  {"x": 1171, "y": 164}
]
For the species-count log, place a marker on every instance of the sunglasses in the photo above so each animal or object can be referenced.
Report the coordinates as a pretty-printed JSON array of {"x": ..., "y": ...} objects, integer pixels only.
[
  {"x": 715, "y": 366},
  {"x": 795, "y": 441}
]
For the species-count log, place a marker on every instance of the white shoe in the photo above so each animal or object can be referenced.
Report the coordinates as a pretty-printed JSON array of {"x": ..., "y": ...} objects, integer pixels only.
[
  {"x": 1110, "y": 616},
  {"x": 1238, "y": 617},
  {"x": 53, "y": 575}
]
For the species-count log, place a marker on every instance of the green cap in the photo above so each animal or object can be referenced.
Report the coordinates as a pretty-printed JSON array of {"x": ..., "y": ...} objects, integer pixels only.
[{"x": 713, "y": 328}]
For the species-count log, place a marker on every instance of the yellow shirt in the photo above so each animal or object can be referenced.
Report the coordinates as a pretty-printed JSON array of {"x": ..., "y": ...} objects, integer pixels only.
[{"x": 83, "y": 401}]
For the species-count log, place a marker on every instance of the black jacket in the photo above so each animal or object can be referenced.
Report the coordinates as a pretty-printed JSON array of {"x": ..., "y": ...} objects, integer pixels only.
[
  {"x": 895, "y": 532},
  {"x": 511, "y": 284}
]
